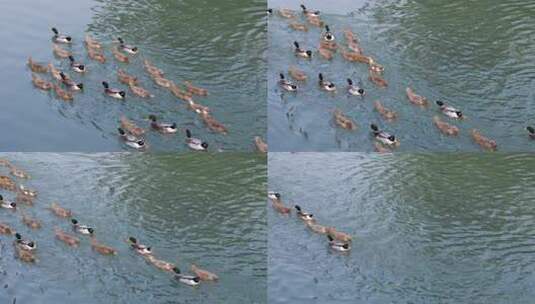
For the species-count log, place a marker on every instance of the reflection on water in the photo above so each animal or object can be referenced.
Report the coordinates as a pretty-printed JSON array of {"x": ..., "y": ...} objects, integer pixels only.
[
  {"x": 476, "y": 56},
  {"x": 201, "y": 209},
  {"x": 439, "y": 228}
]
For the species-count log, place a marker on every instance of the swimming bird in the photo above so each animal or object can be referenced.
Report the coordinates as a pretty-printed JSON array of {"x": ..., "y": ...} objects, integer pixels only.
[
  {"x": 326, "y": 85},
  {"x": 6, "y": 204},
  {"x": 139, "y": 248},
  {"x": 297, "y": 74},
  {"x": 343, "y": 120},
  {"x": 195, "y": 90},
  {"x": 354, "y": 90},
  {"x": 325, "y": 53},
  {"x": 309, "y": 13},
  {"x": 317, "y": 228},
  {"x": 60, "y": 38},
  {"x": 167, "y": 128},
  {"x": 385, "y": 112},
  {"x": 355, "y": 57},
  {"x": 82, "y": 229},
  {"x": 195, "y": 143},
  {"x": 101, "y": 248},
  {"x": 130, "y": 126},
  {"x": 269, "y": 11},
  {"x": 139, "y": 91},
  {"x": 127, "y": 48},
  {"x": 26, "y": 191},
  {"x": 96, "y": 55},
  {"x": 338, "y": 245},
  {"x": 92, "y": 43},
  {"x": 298, "y": 26},
  {"x": 63, "y": 94},
  {"x": 36, "y": 67},
  {"x": 445, "y": 127},
  {"x": 485, "y": 142},
  {"x": 300, "y": 52},
  {"x": 384, "y": 137},
  {"x": 449, "y": 110},
  {"x": 202, "y": 274},
  {"x": 303, "y": 215},
  {"x": 186, "y": 279},
  {"x": 286, "y": 13},
  {"x": 261, "y": 146},
  {"x": 277, "y": 203},
  {"x": 6, "y": 229},
  {"x": 131, "y": 140},
  {"x": 40, "y": 83},
  {"x": 76, "y": 66},
  {"x": 165, "y": 83},
  {"x": 120, "y": 56},
  {"x": 59, "y": 211},
  {"x": 24, "y": 244},
  {"x": 126, "y": 78},
  {"x": 115, "y": 93},
  {"x": 160, "y": 264},
  {"x": 213, "y": 124},
  {"x": 152, "y": 70},
  {"x": 30, "y": 222},
  {"x": 286, "y": 84},
  {"x": 415, "y": 98},
  {"x": 377, "y": 79},
  {"x": 68, "y": 239},
  {"x": 338, "y": 235},
  {"x": 70, "y": 83},
  {"x": 61, "y": 53},
  {"x": 55, "y": 72}
]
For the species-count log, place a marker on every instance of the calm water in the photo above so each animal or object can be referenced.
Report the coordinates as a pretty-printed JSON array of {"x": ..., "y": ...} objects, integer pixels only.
[
  {"x": 438, "y": 228},
  {"x": 191, "y": 209},
  {"x": 475, "y": 55},
  {"x": 216, "y": 45}
]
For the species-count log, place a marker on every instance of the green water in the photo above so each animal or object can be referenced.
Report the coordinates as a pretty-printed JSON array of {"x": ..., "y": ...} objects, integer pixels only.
[
  {"x": 216, "y": 45},
  {"x": 202, "y": 209},
  {"x": 442, "y": 228}
]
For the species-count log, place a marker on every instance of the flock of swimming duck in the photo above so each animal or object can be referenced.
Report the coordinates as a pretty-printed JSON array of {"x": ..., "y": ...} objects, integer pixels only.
[
  {"x": 338, "y": 241},
  {"x": 353, "y": 52},
  {"x": 65, "y": 88},
  {"x": 26, "y": 249}
]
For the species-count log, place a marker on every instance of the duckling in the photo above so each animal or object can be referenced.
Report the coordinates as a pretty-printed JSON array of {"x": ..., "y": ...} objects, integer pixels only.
[
  {"x": 160, "y": 264},
  {"x": 326, "y": 85},
  {"x": 115, "y": 93},
  {"x": 384, "y": 137},
  {"x": 377, "y": 79},
  {"x": 484, "y": 142},
  {"x": 343, "y": 120},
  {"x": 531, "y": 132},
  {"x": 139, "y": 248},
  {"x": 55, "y": 72},
  {"x": 67, "y": 96},
  {"x": 59, "y": 38},
  {"x": 416, "y": 99},
  {"x": 302, "y": 53},
  {"x": 82, "y": 229},
  {"x": 6, "y": 204},
  {"x": 317, "y": 228},
  {"x": 70, "y": 83},
  {"x": 186, "y": 279},
  {"x": 92, "y": 43},
  {"x": 379, "y": 148},
  {"x": 22, "y": 244},
  {"x": 309, "y": 13},
  {"x": 385, "y": 112},
  {"x": 5, "y": 229},
  {"x": 328, "y": 36},
  {"x": 354, "y": 89},
  {"x": 95, "y": 54},
  {"x": 61, "y": 53},
  {"x": 120, "y": 56},
  {"x": 25, "y": 256},
  {"x": 139, "y": 91},
  {"x": 286, "y": 85},
  {"x": 303, "y": 215},
  {"x": 152, "y": 70},
  {"x": 195, "y": 90},
  {"x": 297, "y": 74},
  {"x": 445, "y": 127},
  {"x": 59, "y": 211},
  {"x": 40, "y": 83},
  {"x": 337, "y": 245},
  {"x": 298, "y": 26},
  {"x": 68, "y": 239},
  {"x": 286, "y": 13},
  {"x": 132, "y": 50},
  {"x": 167, "y": 128},
  {"x": 355, "y": 57},
  {"x": 125, "y": 78},
  {"x": 195, "y": 143},
  {"x": 338, "y": 235},
  {"x": 261, "y": 146},
  {"x": 449, "y": 111},
  {"x": 101, "y": 248},
  {"x": 37, "y": 67},
  {"x": 325, "y": 53},
  {"x": 76, "y": 66},
  {"x": 30, "y": 222},
  {"x": 131, "y": 140},
  {"x": 213, "y": 124},
  {"x": 204, "y": 275}
]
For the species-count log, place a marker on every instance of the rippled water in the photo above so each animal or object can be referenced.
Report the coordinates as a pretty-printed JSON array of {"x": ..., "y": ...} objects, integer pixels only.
[
  {"x": 440, "y": 228},
  {"x": 218, "y": 46},
  {"x": 202, "y": 209},
  {"x": 475, "y": 55}
]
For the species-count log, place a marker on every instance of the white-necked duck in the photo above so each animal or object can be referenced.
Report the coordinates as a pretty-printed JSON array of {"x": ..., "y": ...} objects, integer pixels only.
[
  {"x": 195, "y": 143},
  {"x": 115, "y": 93},
  {"x": 286, "y": 84},
  {"x": 383, "y": 137},
  {"x": 326, "y": 85},
  {"x": 300, "y": 52},
  {"x": 449, "y": 110},
  {"x": 76, "y": 66},
  {"x": 127, "y": 48},
  {"x": 354, "y": 90}
]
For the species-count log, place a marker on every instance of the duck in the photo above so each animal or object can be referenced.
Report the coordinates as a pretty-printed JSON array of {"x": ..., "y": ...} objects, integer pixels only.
[
  {"x": 338, "y": 235},
  {"x": 286, "y": 13},
  {"x": 82, "y": 229},
  {"x": 317, "y": 228},
  {"x": 297, "y": 74},
  {"x": 337, "y": 245},
  {"x": 377, "y": 79},
  {"x": 385, "y": 112},
  {"x": 328, "y": 45},
  {"x": 66, "y": 238},
  {"x": 416, "y": 99},
  {"x": 30, "y": 222},
  {"x": 70, "y": 83},
  {"x": 375, "y": 67},
  {"x": 101, "y": 248},
  {"x": 298, "y": 26},
  {"x": 279, "y": 206},
  {"x": 328, "y": 36},
  {"x": 160, "y": 264},
  {"x": 131, "y": 140},
  {"x": 355, "y": 57},
  {"x": 350, "y": 36},
  {"x": 132, "y": 50},
  {"x": 60, "y": 38},
  {"x": 61, "y": 53},
  {"x": 326, "y": 85},
  {"x": 186, "y": 279},
  {"x": 96, "y": 55},
  {"x": 180, "y": 93},
  {"x": 213, "y": 124},
  {"x": 139, "y": 91},
  {"x": 286, "y": 85},
  {"x": 6, "y": 229},
  {"x": 309, "y": 13},
  {"x": 485, "y": 142},
  {"x": 202, "y": 274},
  {"x": 164, "y": 83},
  {"x": 300, "y": 52},
  {"x": 195, "y": 143},
  {"x": 115, "y": 93},
  {"x": 384, "y": 137},
  {"x": 76, "y": 66},
  {"x": 152, "y": 70},
  {"x": 167, "y": 128},
  {"x": 120, "y": 56},
  {"x": 195, "y": 90},
  {"x": 24, "y": 244},
  {"x": 315, "y": 21},
  {"x": 92, "y": 43},
  {"x": 325, "y": 53},
  {"x": 343, "y": 120},
  {"x": 449, "y": 110},
  {"x": 139, "y": 248},
  {"x": 61, "y": 93},
  {"x": 261, "y": 146},
  {"x": 131, "y": 127},
  {"x": 55, "y": 72},
  {"x": 531, "y": 132},
  {"x": 25, "y": 256},
  {"x": 6, "y": 204},
  {"x": 303, "y": 215},
  {"x": 59, "y": 211},
  {"x": 40, "y": 83},
  {"x": 19, "y": 173},
  {"x": 354, "y": 47},
  {"x": 445, "y": 127},
  {"x": 354, "y": 89},
  {"x": 36, "y": 67},
  {"x": 125, "y": 78}
]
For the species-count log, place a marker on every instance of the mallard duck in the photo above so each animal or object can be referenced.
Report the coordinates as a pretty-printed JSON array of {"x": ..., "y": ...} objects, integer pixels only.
[
  {"x": 186, "y": 279},
  {"x": 298, "y": 26},
  {"x": 377, "y": 79},
  {"x": 30, "y": 222},
  {"x": 445, "y": 127},
  {"x": 101, "y": 248},
  {"x": 309, "y": 13},
  {"x": 70, "y": 83},
  {"x": 416, "y": 99},
  {"x": 195, "y": 90},
  {"x": 36, "y": 67},
  {"x": 355, "y": 57},
  {"x": 115, "y": 93},
  {"x": 338, "y": 245},
  {"x": 68, "y": 239},
  {"x": 195, "y": 143},
  {"x": 286, "y": 85},
  {"x": 297, "y": 74},
  {"x": 343, "y": 120},
  {"x": 338, "y": 235},
  {"x": 329, "y": 45},
  {"x": 303, "y": 215},
  {"x": 59, "y": 38},
  {"x": 131, "y": 140},
  {"x": 449, "y": 110},
  {"x": 204, "y": 275},
  {"x": 61, "y": 93},
  {"x": 152, "y": 70},
  {"x": 384, "y": 137},
  {"x": 160, "y": 264},
  {"x": 25, "y": 256},
  {"x": 386, "y": 113},
  {"x": 286, "y": 13},
  {"x": 300, "y": 52},
  {"x": 24, "y": 244},
  {"x": 162, "y": 127},
  {"x": 55, "y": 72},
  {"x": 164, "y": 83},
  {"x": 317, "y": 228},
  {"x": 120, "y": 56},
  {"x": 139, "y": 91},
  {"x": 59, "y": 211},
  {"x": 96, "y": 55},
  {"x": 6, "y": 229},
  {"x": 7, "y": 183},
  {"x": 82, "y": 229},
  {"x": 213, "y": 124},
  {"x": 127, "y": 48},
  {"x": 326, "y": 85},
  {"x": 139, "y": 248},
  {"x": 76, "y": 66},
  {"x": 328, "y": 36},
  {"x": 325, "y": 53},
  {"x": 125, "y": 78},
  {"x": 40, "y": 83},
  {"x": 92, "y": 43},
  {"x": 531, "y": 132},
  {"x": 484, "y": 142},
  {"x": 62, "y": 53},
  {"x": 315, "y": 21},
  {"x": 130, "y": 126},
  {"x": 354, "y": 89},
  {"x": 261, "y": 146},
  {"x": 6, "y": 204}
]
